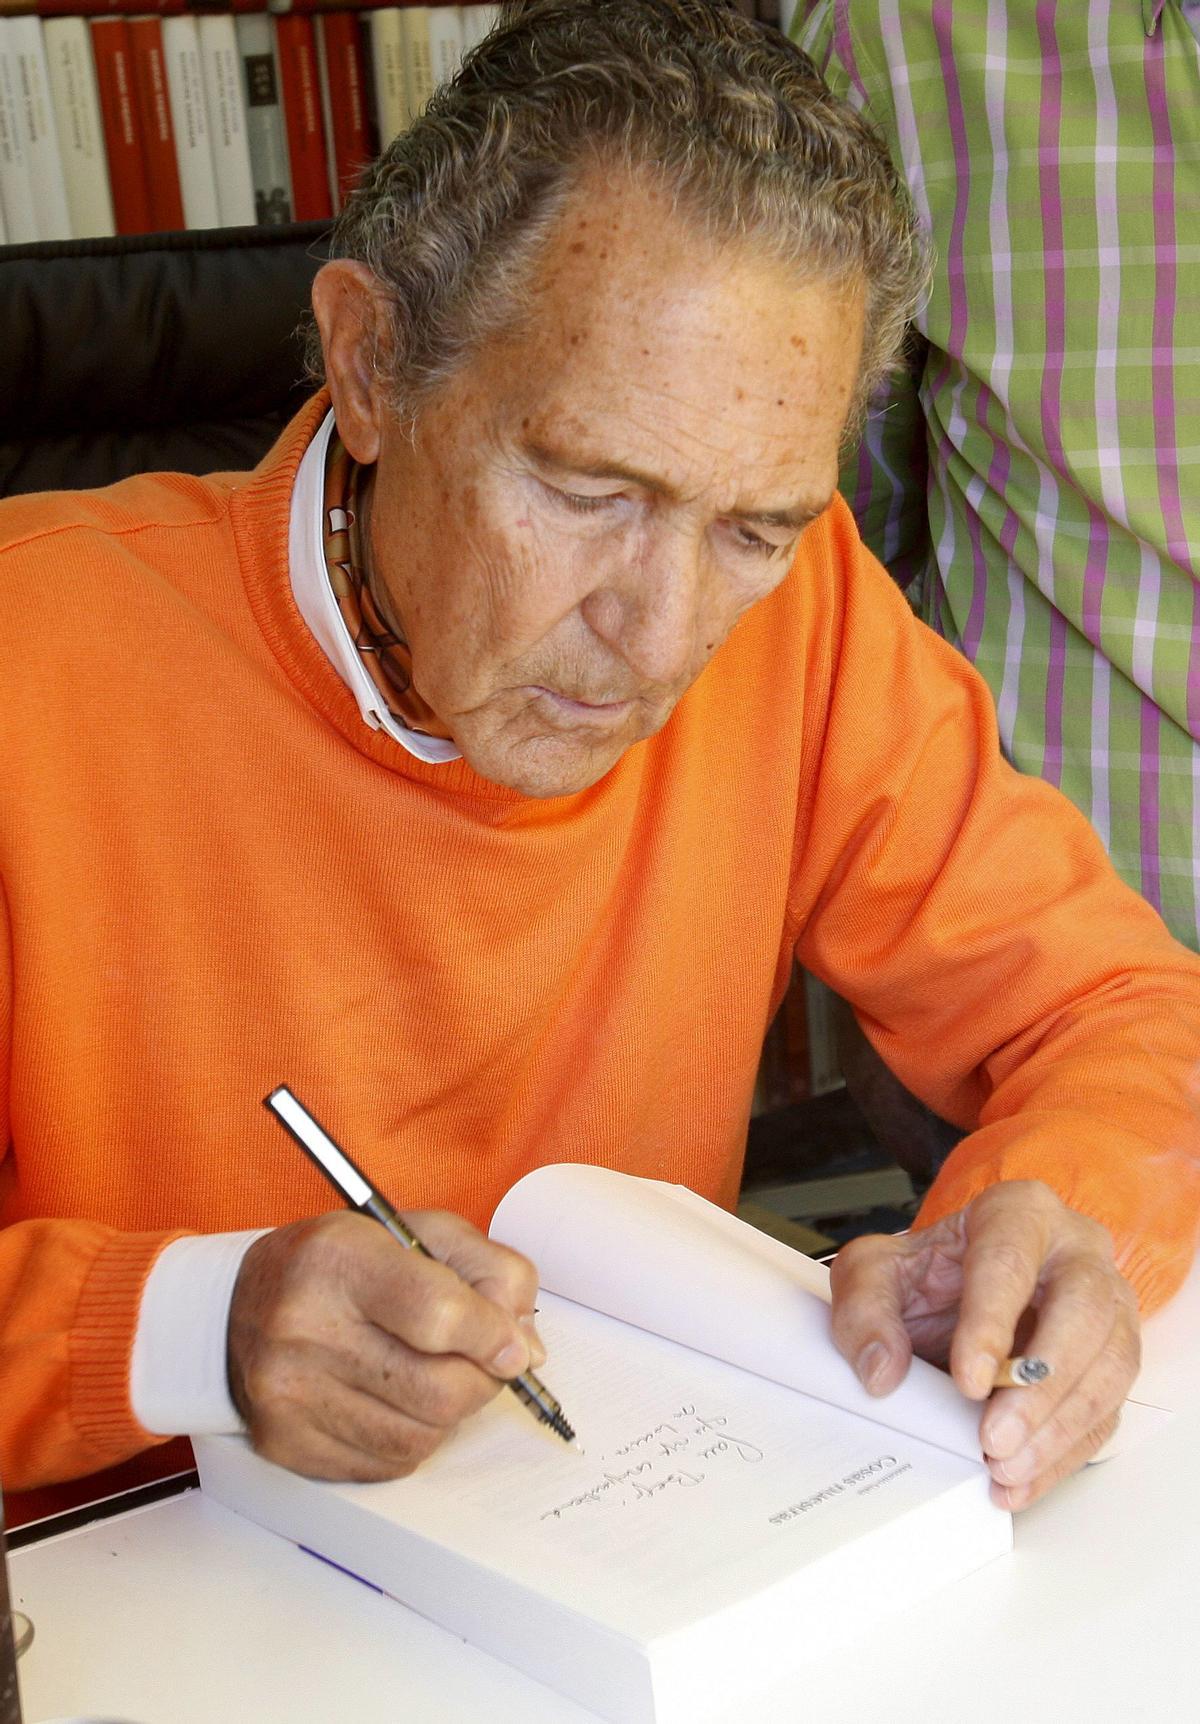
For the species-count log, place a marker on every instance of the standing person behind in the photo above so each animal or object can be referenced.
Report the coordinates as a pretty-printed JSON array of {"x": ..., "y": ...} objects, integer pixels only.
[{"x": 1030, "y": 486}]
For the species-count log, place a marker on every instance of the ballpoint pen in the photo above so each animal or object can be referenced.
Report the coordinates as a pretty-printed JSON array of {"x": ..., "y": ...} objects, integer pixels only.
[{"x": 360, "y": 1194}]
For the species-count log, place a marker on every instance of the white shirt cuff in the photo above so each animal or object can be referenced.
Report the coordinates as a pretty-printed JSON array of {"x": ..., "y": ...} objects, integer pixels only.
[{"x": 178, "y": 1384}]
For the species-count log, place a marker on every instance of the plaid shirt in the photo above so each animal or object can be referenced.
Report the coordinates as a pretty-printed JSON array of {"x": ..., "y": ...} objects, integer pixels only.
[{"x": 1037, "y": 478}]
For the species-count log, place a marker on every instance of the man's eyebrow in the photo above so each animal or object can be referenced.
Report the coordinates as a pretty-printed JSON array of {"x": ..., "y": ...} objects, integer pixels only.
[
  {"x": 792, "y": 519},
  {"x": 584, "y": 469}
]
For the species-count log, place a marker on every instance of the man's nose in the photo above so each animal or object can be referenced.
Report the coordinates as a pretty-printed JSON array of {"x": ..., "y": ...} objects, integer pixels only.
[{"x": 648, "y": 611}]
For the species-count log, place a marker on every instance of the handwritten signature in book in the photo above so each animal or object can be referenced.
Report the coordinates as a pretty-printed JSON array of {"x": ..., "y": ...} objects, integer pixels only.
[{"x": 668, "y": 1459}]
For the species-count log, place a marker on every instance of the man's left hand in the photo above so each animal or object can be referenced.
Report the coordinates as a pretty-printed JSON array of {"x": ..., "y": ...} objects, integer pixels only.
[{"x": 1015, "y": 1271}]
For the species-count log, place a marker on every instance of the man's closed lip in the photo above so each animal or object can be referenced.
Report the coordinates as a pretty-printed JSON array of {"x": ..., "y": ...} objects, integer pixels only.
[{"x": 601, "y": 712}]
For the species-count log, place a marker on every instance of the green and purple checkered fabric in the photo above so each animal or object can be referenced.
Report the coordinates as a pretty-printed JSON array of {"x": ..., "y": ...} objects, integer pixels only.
[{"x": 1037, "y": 479}]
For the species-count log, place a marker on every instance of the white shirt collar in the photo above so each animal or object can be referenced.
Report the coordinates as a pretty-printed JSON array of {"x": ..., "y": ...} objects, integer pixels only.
[{"x": 317, "y": 605}]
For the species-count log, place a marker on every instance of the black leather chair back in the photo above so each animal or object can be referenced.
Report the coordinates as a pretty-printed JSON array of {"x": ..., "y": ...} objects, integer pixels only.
[{"x": 162, "y": 352}]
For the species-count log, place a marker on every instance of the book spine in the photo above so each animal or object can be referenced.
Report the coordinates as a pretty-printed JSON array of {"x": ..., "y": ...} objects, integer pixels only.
[
  {"x": 824, "y": 1063},
  {"x": 158, "y": 134},
  {"x": 93, "y": 8},
  {"x": 477, "y": 20},
  {"x": 122, "y": 133},
  {"x": 341, "y": 39},
  {"x": 16, "y": 184},
  {"x": 189, "y": 122},
  {"x": 281, "y": 7},
  {"x": 326, "y": 112},
  {"x": 370, "y": 101},
  {"x": 295, "y": 44},
  {"x": 387, "y": 62},
  {"x": 418, "y": 61},
  {"x": 45, "y": 161},
  {"x": 80, "y": 128},
  {"x": 445, "y": 42},
  {"x": 226, "y": 119},
  {"x": 265, "y": 131}
]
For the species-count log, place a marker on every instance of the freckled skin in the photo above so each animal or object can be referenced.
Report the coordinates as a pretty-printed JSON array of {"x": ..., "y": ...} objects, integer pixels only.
[{"x": 577, "y": 524}]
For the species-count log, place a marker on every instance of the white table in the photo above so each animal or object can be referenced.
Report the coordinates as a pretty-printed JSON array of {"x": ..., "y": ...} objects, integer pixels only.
[{"x": 181, "y": 1613}]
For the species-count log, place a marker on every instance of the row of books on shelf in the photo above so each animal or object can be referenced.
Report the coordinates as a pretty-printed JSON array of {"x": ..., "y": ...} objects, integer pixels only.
[{"x": 165, "y": 119}]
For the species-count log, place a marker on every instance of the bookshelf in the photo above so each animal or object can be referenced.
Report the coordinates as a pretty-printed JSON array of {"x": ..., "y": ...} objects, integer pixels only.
[
  {"x": 171, "y": 351},
  {"x": 123, "y": 117}
]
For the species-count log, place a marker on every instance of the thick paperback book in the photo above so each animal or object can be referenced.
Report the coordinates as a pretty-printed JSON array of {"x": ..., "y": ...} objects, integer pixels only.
[{"x": 735, "y": 1504}]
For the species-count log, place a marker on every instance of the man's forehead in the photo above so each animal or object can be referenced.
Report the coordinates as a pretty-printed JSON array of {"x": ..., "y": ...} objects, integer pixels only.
[
  {"x": 633, "y": 232},
  {"x": 649, "y": 351}
]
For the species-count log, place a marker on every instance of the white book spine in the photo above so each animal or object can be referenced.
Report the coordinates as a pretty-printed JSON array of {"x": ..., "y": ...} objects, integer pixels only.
[
  {"x": 418, "y": 64},
  {"x": 189, "y": 118},
  {"x": 824, "y": 1066},
  {"x": 16, "y": 184},
  {"x": 445, "y": 41},
  {"x": 72, "y": 75},
  {"x": 391, "y": 84},
  {"x": 226, "y": 109},
  {"x": 45, "y": 161},
  {"x": 264, "y": 119},
  {"x": 477, "y": 21}
]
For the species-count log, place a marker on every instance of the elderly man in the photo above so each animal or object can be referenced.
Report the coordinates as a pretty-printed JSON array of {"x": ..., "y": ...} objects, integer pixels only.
[{"x": 478, "y": 764}]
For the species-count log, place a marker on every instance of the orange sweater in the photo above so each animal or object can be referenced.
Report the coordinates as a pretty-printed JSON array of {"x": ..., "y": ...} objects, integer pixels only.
[{"x": 217, "y": 879}]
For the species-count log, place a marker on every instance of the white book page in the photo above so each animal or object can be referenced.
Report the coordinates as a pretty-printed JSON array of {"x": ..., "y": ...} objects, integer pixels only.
[
  {"x": 692, "y": 1484},
  {"x": 660, "y": 1257},
  {"x": 1147, "y": 1410}
]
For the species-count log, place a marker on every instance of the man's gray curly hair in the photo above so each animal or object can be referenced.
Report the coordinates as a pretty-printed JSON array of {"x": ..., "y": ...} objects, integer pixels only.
[{"x": 730, "y": 117}]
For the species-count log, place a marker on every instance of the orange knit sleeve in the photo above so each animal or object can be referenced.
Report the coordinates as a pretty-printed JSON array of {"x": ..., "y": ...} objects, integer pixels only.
[
  {"x": 970, "y": 916},
  {"x": 69, "y": 1298}
]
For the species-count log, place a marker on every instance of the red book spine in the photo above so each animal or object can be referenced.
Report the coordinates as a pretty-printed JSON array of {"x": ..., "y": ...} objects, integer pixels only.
[
  {"x": 344, "y": 59},
  {"x": 154, "y": 112},
  {"x": 301, "y": 91},
  {"x": 122, "y": 132}
]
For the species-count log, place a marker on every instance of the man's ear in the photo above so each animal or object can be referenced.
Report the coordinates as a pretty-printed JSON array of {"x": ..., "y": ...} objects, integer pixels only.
[{"x": 354, "y": 316}]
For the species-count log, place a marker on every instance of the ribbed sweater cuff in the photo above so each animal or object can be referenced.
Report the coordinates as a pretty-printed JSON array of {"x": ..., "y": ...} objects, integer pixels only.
[
  {"x": 102, "y": 1343},
  {"x": 1153, "y": 1249}
]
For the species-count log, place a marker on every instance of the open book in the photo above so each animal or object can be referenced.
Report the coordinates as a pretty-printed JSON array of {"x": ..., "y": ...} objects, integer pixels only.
[{"x": 734, "y": 1505}]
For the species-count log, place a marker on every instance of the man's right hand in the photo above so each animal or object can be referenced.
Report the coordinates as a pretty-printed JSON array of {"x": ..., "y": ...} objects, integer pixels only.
[{"x": 352, "y": 1358}]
